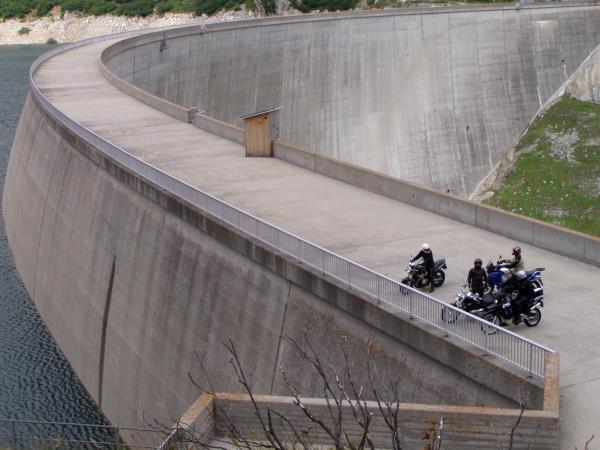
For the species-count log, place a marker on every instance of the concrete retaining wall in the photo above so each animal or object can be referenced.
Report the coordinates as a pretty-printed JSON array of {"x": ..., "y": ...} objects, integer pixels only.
[
  {"x": 463, "y": 427},
  {"x": 224, "y": 415},
  {"x": 137, "y": 287},
  {"x": 435, "y": 97}
]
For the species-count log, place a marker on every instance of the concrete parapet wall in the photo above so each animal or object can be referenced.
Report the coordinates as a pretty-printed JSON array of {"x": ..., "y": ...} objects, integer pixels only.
[
  {"x": 556, "y": 239},
  {"x": 225, "y": 130},
  {"x": 184, "y": 283},
  {"x": 463, "y": 427},
  {"x": 432, "y": 96},
  {"x": 223, "y": 415},
  {"x": 159, "y": 103}
]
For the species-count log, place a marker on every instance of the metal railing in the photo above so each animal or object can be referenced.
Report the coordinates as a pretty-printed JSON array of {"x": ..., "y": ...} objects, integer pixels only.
[
  {"x": 491, "y": 339},
  {"x": 37, "y": 434}
]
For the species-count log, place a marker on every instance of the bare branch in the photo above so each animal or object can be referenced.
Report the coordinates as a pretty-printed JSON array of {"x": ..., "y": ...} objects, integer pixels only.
[{"x": 515, "y": 426}]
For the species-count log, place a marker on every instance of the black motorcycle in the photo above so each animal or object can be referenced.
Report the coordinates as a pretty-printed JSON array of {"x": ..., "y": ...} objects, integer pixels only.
[
  {"x": 499, "y": 311},
  {"x": 418, "y": 277},
  {"x": 468, "y": 301}
]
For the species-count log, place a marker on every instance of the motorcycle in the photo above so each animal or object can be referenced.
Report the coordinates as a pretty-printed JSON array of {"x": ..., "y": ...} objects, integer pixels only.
[
  {"x": 417, "y": 275},
  {"x": 499, "y": 311},
  {"x": 497, "y": 275},
  {"x": 468, "y": 301}
]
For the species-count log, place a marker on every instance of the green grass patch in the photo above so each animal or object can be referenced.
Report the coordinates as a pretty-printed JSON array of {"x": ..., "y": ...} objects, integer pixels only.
[{"x": 556, "y": 177}]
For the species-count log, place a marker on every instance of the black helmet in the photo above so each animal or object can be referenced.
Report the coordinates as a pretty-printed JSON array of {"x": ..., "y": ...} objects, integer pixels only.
[{"x": 477, "y": 261}]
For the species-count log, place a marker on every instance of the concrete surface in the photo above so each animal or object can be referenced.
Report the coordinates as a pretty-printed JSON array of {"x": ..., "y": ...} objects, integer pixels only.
[
  {"x": 435, "y": 97},
  {"x": 179, "y": 293},
  {"x": 375, "y": 231}
]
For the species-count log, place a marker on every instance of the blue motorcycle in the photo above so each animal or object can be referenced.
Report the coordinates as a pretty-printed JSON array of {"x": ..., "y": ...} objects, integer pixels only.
[{"x": 498, "y": 275}]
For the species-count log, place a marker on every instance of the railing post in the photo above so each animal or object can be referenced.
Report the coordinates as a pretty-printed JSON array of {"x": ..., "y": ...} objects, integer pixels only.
[
  {"x": 530, "y": 349},
  {"x": 349, "y": 272},
  {"x": 486, "y": 343},
  {"x": 13, "y": 434},
  {"x": 322, "y": 261},
  {"x": 410, "y": 305},
  {"x": 445, "y": 319},
  {"x": 378, "y": 288}
]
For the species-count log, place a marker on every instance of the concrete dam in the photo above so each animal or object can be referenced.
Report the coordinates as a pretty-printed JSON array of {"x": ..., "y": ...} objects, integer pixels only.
[
  {"x": 146, "y": 241},
  {"x": 434, "y": 98}
]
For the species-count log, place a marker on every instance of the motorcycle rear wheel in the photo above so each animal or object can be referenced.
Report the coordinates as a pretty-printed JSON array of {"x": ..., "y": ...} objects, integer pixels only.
[
  {"x": 438, "y": 278},
  {"x": 533, "y": 317}
]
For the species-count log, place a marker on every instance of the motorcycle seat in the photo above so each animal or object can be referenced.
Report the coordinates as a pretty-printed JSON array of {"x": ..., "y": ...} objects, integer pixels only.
[{"x": 488, "y": 299}]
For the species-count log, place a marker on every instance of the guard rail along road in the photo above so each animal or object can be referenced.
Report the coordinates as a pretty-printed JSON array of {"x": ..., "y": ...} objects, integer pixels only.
[{"x": 489, "y": 338}]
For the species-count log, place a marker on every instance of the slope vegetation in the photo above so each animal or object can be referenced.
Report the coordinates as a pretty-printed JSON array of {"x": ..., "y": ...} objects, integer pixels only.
[{"x": 556, "y": 177}]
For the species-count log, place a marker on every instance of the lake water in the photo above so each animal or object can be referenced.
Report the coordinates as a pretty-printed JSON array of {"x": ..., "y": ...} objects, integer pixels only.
[{"x": 36, "y": 382}]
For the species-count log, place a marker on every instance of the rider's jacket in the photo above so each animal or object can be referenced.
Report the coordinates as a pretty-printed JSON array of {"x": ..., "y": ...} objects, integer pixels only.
[
  {"x": 516, "y": 264},
  {"x": 427, "y": 258},
  {"x": 477, "y": 277}
]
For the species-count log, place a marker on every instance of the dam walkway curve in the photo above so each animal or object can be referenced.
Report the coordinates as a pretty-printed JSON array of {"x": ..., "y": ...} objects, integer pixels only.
[{"x": 376, "y": 232}]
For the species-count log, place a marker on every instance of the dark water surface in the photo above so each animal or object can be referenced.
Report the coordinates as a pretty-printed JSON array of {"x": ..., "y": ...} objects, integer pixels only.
[{"x": 36, "y": 382}]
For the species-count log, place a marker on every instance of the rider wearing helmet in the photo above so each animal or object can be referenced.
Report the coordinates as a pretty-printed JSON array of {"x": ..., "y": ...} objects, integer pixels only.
[
  {"x": 427, "y": 255},
  {"x": 477, "y": 278},
  {"x": 516, "y": 263},
  {"x": 523, "y": 288}
]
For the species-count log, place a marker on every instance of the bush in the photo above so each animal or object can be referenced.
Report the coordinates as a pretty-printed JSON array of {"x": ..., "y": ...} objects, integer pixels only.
[
  {"x": 101, "y": 8},
  {"x": 135, "y": 8},
  {"x": 212, "y": 6},
  {"x": 15, "y": 8},
  {"x": 43, "y": 7},
  {"x": 329, "y": 5},
  {"x": 51, "y": 41},
  {"x": 270, "y": 6},
  {"x": 164, "y": 6},
  {"x": 24, "y": 30}
]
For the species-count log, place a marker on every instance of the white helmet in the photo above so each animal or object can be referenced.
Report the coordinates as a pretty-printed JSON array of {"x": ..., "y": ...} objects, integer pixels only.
[{"x": 425, "y": 247}]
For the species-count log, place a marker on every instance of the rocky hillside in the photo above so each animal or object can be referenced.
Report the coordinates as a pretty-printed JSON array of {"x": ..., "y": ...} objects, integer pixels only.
[
  {"x": 556, "y": 175},
  {"x": 72, "y": 27}
]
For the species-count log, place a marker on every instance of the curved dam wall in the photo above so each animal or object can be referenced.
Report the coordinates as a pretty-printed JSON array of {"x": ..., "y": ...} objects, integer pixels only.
[
  {"x": 434, "y": 97},
  {"x": 138, "y": 288}
]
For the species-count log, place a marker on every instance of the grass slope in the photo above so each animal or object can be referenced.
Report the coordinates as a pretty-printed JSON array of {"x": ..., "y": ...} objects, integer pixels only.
[{"x": 556, "y": 177}]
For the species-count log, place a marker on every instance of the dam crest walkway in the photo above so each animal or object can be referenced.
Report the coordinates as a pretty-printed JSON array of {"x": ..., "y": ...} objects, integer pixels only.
[{"x": 374, "y": 231}]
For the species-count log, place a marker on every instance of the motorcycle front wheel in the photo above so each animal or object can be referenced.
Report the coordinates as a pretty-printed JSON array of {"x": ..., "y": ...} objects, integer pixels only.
[
  {"x": 492, "y": 318},
  {"x": 407, "y": 282},
  {"x": 533, "y": 317},
  {"x": 438, "y": 278},
  {"x": 449, "y": 315}
]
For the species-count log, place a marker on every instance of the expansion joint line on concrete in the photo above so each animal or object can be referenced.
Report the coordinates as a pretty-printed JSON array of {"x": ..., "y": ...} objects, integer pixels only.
[
  {"x": 287, "y": 299},
  {"x": 104, "y": 326}
]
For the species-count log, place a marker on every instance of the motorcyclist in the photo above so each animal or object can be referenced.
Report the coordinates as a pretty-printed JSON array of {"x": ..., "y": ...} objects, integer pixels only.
[
  {"x": 477, "y": 278},
  {"x": 519, "y": 284},
  {"x": 515, "y": 264},
  {"x": 427, "y": 255}
]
